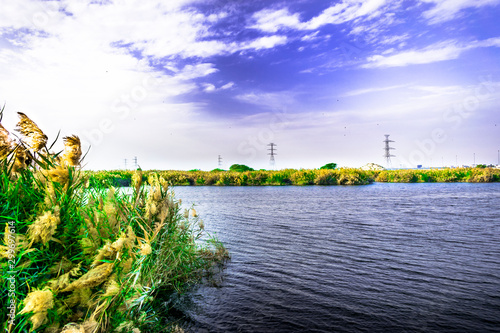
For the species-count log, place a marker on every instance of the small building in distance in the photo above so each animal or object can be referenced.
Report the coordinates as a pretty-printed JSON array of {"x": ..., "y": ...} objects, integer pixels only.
[{"x": 372, "y": 167}]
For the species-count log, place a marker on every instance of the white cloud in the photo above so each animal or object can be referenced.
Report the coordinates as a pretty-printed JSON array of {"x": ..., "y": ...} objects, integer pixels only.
[
  {"x": 387, "y": 40},
  {"x": 273, "y": 20},
  {"x": 196, "y": 71},
  {"x": 445, "y": 10},
  {"x": 266, "y": 42},
  {"x": 345, "y": 12},
  {"x": 448, "y": 50},
  {"x": 358, "y": 92},
  {"x": 310, "y": 37},
  {"x": 32, "y": 14},
  {"x": 331, "y": 15},
  {"x": 440, "y": 52},
  {"x": 495, "y": 42},
  {"x": 276, "y": 100},
  {"x": 208, "y": 87},
  {"x": 228, "y": 85},
  {"x": 269, "y": 20}
]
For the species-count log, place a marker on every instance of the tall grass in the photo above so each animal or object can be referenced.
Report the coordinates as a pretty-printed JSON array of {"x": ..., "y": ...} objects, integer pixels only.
[{"x": 80, "y": 258}]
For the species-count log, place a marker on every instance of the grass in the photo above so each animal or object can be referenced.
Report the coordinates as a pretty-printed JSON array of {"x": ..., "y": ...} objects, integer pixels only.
[{"x": 80, "y": 258}]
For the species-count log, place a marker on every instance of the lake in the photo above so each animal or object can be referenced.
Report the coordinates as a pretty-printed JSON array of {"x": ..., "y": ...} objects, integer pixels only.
[{"x": 376, "y": 258}]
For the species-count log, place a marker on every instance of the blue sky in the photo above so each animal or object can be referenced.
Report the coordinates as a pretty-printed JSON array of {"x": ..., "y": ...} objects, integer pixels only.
[{"x": 178, "y": 83}]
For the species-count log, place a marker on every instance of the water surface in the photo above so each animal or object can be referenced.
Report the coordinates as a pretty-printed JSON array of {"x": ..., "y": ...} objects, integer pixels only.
[{"x": 377, "y": 258}]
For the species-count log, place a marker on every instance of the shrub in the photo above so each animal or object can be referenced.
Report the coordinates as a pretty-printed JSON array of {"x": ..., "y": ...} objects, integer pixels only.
[
  {"x": 303, "y": 177},
  {"x": 325, "y": 177}
]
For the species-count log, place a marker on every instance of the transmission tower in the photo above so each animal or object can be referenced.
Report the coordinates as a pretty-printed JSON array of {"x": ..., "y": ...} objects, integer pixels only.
[
  {"x": 125, "y": 160},
  {"x": 387, "y": 149},
  {"x": 135, "y": 162},
  {"x": 272, "y": 153},
  {"x": 220, "y": 161}
]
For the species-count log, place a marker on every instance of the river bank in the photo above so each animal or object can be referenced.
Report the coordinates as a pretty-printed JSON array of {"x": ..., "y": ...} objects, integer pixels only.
[{"x": 343, "y": 176}]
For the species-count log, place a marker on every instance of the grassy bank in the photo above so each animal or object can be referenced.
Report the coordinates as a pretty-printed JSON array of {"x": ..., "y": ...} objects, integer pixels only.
[
  {"x": 342, "y": 176},
  {"x": 450, "y": 175},
  {"x": 90, "y": 259},
  {"x": 233, "y": 178}
]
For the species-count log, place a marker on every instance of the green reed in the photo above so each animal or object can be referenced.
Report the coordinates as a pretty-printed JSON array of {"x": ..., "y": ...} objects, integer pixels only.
[{"x": 79, "y": 256}]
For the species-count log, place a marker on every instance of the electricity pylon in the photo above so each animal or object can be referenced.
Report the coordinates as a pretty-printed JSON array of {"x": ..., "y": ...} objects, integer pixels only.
[
  {"x": 387, "y": 149},
  {"x": 272, "y": 154}
]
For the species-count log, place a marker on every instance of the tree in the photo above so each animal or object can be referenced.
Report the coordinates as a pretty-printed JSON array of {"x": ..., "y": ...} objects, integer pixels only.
[
  {"x": 240, "y": 168},
  {"x": 330, "y": 166}
]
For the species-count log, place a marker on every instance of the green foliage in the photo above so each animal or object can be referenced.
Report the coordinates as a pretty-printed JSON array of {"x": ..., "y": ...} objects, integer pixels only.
[
  {"x": 329, "y": 166},
  {"x": 240, "y": 168},
  {"x": 471, "y": 175}
]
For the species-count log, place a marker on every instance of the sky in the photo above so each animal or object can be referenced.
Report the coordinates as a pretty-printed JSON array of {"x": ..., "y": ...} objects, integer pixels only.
[{"x": 178, "y": 83}]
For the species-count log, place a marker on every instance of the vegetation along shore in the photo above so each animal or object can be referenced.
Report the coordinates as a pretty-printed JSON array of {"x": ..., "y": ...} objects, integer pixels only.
[
  {"x": 342, "y": 176},
  {"x": 91, "y": 259}
]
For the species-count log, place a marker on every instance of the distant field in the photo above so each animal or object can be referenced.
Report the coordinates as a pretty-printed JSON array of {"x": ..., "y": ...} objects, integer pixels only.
[{"x": 343, "y": 176}]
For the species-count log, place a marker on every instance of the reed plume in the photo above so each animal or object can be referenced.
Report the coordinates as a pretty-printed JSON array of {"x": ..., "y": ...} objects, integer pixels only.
[
  {"x": 58, "y": 174},
  {"x": 5, "y": 142},
  {"x": 19, "y": 242},
  {"x": 92, "y": 278},
  {"x": 112, "y": 287},
  {"x": 137, "y": 180},
  {"x": 38, "y": 302},
  {"x": 73, "y": 328},
  {"x": 145, "y": 249},
  {"x": 23, "y": 158},
  {"x": 59, "y": 283},
  {"x": 81, "y": 297},
  {"x": 105, "y": 252},
  {"x": 43, "y": 228},
  {"x": 31, "y": 133},
  {"x": 90, "y": 325},
  {"x": 72, "y": 151}
]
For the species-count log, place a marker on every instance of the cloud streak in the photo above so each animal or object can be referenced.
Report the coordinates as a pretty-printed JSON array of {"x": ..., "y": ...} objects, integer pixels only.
[
  {"x": 269, "y": 20},
  {"x": 442, "y": 51},
  {"x": 446, "y": 10}
]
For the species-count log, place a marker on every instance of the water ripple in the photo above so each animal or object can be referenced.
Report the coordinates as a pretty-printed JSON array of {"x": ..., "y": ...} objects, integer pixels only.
[{"x": 378, "y": 258}]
